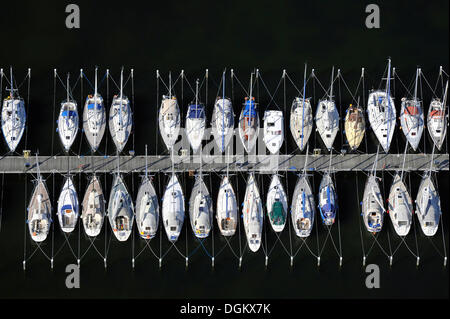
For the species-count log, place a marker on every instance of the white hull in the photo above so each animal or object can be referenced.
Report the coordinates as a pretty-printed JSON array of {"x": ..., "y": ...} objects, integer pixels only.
[
  {"x": 327, "y": 200},
  {"x": 68, "y": 122},
  {"x": 120, "y": 121},
  {"x": 39, "y": 212},
  {"x": 222, "y": 123},
  {"x": 327, "y": 122},
  {"x": 195, "y": 127},
  {"x": 200, "y": 209},
  {"x": 437, "y": 122},
  {"x": 94, "y": 120},
  {"x": 249, "y": 127},
  {"x": 93, "y": 208},
  {"x": 412, "y": 121},
  {"x": 173, "y": 209},
  {"x": 276, "y": 193},
  {"x": 226, "y": 208},
  {"x": 372, "y": 205},
  {"x": 120, "y": 210},
  {"x": 252, "y": 215},
  {"x": 169, "y": 121},
  {"x": 301, "y": 122},
  {"x": 68, "y": 207},
  {"x": 13, "y": 121},
  {"x": 400, "y": 207},
  {"x": 303, "y": 208},
  {"x": 147, "y": 210},
  {"x": 382, "y": 113},
  {"x": 428, "y": 207},
  {"x": 273, "y": 130}
]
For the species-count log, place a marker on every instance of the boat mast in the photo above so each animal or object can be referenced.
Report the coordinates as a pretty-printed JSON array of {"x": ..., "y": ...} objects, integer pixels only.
[
  {"x": 12, "y": 84},
  {"x": 388, "y": 97},
  {"x": 37, "y": 167},
  {"x": 121, "y": 95},
  {"x": 67, "y": 87},
  {"x": 146, "y": 170},
  {"x": 303, "y": 105},
  {"x": 95, "y": 106},
  {"x": 223, "y": 110},
  {"x": 170, "y": 85},
  {"x": 415, "y": 86},
  {"x": 332, "y": 78}
]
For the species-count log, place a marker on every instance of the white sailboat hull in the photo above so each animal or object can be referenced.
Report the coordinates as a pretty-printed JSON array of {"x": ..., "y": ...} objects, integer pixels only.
[
  {"x": 273, "y": 130},
  {"x": 303, "y": 208},
  {"x": 120, "y": 210},
  {"x": 437, "y": 123},
  {"x": 68, "y": 207},
  {"x": 252, "y": 215},
  {"x": 382, "y": 113},
  {"x": 301, "y": 122},
  {"x": 327, "y": 122},
  {"x": 200, "y": 209},
  {"x": 412, "y": 122},
  {"x": 147, "y": 210},
  {"x": 68, "y": 122},
  {"x": 13, "y": 121},
  {"x": 372, "y": 209},
  {"x": 169, "y": 121},
  {"x": 173, "y": 209},
  {"x": 39, "y": 212},
  {"x": 93, "y": 208},
  {"x": 226, "y": 208},
  {"x": 120, "y": 121},
  {"x": 222, "y": 123},
  {"x": 94, "y": 121},
  {"x": 428, "y": 207},
  {"x": 400, "y": 207},
  {"x": 276, "y": 193}
]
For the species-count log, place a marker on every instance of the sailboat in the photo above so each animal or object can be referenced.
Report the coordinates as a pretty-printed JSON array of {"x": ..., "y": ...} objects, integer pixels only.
[
  {"x": 273, "y": 130},
  {"x": 94, "y": 118},
  {"x": 400, "y": 207},
  {"x": 437, "y": 119},
  {"x": 428, "y": 206},
  {"x": 68, "y": 207},
  {"x": 39, "y": 211},
  {"x": 327, "y": 118},
  {"x": 147, "y": 207},
  {"x": 355, "y": 126},
  {"x": 68, "y": 120},
  {"x": 173, "y": 209},
  {"x": 253, "y": 214},
  {"x": 301, "y": 122},
  {"x": 200, "y": 209},
  {"x": 226, "y": 208},
  {"x": 381, "y": 113},
  {"x": 169, "y": 118},
  {"x": 276, "y": 204},
  {"x": 120, "y": 118},
  {"x": 411, "y": 118},
  {"x": 120, "y": 209},
  {"x": 222, "y": 122},
  {"x": 372, "y": 205},
  {"x": 13, "y": 117},
  {"x": 93, "y": 208},
  {"x": 249, "y": 121},
  {"x": 327, "y": 200},
  {"x": 195, "y": 122},
  {"x": 303, "y": 208}
]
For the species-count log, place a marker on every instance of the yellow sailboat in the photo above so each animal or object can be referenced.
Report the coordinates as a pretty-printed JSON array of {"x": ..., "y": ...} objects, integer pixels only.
[{"x": 355, "y": 125}]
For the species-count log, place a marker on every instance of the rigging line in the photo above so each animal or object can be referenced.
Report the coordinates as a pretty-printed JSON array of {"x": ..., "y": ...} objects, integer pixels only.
[
  {"x": 359, "y": 210},
  {"x": 133, "y": 106},
  {"x": 268, "y": 92},
  {"x": 341, "y": 123},
  {"x": 54, "y": 112},
  {"x": 233, "y": 75},
  {"x": 428, "y": 84},
  {"x": 404, "y": 86},
  {"x": 346, "y": 86},
  {"x": 292, "y": 82},
  {"x": 412, "y": 217},
  {"x": 28, "y": 106},
  {"x": 25, "y": 223},
  {"x": 87, "y": 79},
  {"x": 384, "y": 196}
]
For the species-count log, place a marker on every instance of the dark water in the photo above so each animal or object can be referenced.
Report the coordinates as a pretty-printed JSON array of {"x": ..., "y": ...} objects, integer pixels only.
[{"x": 212, "y": 35}]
